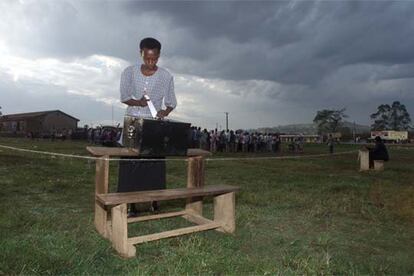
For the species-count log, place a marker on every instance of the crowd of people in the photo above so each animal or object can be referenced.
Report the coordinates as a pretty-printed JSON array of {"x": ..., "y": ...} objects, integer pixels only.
[
  {"x": 104, "y": 136},
  {"x": 234, "y": 141},
  {"x": 211, "y": 140}
]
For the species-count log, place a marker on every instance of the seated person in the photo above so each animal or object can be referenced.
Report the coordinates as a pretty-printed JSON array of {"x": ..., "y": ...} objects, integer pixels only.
[{"x": 379, "y": 152}]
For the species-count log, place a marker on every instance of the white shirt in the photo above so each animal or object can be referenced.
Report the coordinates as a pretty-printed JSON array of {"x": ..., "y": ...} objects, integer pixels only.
[{"x": 159, "y": 87}]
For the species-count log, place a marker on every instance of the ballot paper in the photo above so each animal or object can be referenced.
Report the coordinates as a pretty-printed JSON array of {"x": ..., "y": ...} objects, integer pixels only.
[{"x": 151, "y": 106}]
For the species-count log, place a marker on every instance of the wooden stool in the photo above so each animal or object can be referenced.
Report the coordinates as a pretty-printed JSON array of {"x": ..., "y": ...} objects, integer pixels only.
[
  {"x": 378, "y": 165},
  {"x": 363, "y": 157}
]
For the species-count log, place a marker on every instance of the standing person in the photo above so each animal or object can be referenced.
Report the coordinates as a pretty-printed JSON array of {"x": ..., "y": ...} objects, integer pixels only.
[
  {"x": 331, "y": 144},
  {"x": 232, "y": 141},
  {"x": 236, "y": 141},
  {"x": 145, "y": 78},
  {"x": 194, "y": 137},
  {"x": 227, "y": 140},
  {"x": 278, "y": 144},
  {"x": 203, "y": 140}
]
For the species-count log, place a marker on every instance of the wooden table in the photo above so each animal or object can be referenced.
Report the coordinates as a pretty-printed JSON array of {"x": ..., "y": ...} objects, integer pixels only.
[{"x": 195, "y": 178}]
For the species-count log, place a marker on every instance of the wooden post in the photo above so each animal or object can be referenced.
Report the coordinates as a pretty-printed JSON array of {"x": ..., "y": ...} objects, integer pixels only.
[
  {"x": 101, "y": 187},
  {"x": 224, "y": 212},
  {"x": 195, "y": 178},
  {"x": 195, "y": 172},
  {"x": 363, "y": 157},
  {"x": 119, "y": 235}
]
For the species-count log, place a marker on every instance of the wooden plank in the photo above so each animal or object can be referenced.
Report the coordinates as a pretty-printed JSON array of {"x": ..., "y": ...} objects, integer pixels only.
[
  {"x": 173, "y": 233},
  {"x": 101, "y": 151},
  {"x": 198, "y": 152},
  {"x": 158, "y": 195},
  {"x": 119, "y": 235},
  {"x": 197, "y": 219},
  {"x": 224, "y": 212},
  {"x": 158, "y": 216}
]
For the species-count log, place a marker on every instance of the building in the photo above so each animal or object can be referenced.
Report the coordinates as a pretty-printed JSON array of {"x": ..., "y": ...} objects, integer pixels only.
[
  {"x": 40, "y": 124},
  {"x": 390, "y": 135},
  {"x": 307, "y": 138}
]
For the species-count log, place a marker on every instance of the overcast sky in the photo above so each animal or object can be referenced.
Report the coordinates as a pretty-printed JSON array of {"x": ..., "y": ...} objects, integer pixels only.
[{"x": 267, "y": 63}]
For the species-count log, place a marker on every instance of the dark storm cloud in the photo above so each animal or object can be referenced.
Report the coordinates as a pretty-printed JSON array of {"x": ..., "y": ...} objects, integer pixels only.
[
  {"x": 291, "y": 57},
  {"x": 239, "y": 21},
  {"x": 67, "y": 29},
  {"x": 288, "y": 42}
]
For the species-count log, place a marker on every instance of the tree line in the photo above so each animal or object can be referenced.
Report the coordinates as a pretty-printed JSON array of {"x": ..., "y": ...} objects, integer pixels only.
[{"x": 387, "y": 117}]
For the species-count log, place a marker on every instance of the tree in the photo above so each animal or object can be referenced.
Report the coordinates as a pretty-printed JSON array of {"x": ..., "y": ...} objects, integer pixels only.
[
  {"x": 329, "y": 120},
  {"x": 394, "y": 117},
  {"x": 381, "y": 117},
  {"x": 346, "y": 133}
]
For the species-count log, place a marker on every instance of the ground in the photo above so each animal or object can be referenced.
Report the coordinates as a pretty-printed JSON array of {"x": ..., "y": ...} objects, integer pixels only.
[{"x": 303, "y": 215}]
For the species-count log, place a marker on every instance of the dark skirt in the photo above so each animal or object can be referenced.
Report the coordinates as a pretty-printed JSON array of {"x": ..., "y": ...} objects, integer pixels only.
[{"x": 141, "y": 176}]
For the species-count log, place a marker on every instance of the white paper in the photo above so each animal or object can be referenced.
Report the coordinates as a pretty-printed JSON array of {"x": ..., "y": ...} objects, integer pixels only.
[{"x": 151, "y": 106}]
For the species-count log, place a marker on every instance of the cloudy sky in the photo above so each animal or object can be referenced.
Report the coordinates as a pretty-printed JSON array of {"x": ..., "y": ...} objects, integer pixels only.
[{"x": 267, "y": 63}]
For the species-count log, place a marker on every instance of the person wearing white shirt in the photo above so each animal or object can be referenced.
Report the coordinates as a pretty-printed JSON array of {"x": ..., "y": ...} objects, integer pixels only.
[{"x": 138, "y": 83}]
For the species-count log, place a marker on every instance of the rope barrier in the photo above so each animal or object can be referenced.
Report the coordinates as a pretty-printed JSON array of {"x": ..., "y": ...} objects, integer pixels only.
[
  {"x": 176, "y": 159},
  {"x": 280, "y": 157}
]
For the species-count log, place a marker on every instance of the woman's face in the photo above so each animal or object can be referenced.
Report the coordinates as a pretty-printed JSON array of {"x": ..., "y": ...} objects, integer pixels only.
[{"x": 150, "y": 57}]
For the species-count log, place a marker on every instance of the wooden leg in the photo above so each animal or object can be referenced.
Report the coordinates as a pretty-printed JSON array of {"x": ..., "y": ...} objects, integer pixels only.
[
  {"x": 195, "y": 172},
  {"x": 195, "y": 178},
  {"x": 119, "y": 235},
  {"x": 101, "y": 219},
  {"x": 224, "y": 212},
  {"x": 102, "y": 175},
  {"x": 194, "y": 206},
  {"x": 101, "y": 187}
]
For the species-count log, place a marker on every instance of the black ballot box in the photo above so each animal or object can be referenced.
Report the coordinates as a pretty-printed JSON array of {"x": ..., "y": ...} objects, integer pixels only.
[{"x": 154, "y": 137}]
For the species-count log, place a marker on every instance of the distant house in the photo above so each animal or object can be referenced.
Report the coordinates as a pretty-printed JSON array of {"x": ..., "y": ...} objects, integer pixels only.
[
  {"x": 307, "y": 138},
  {"x": 43, "y": 123},
  {"x": 390, "y": 135}
]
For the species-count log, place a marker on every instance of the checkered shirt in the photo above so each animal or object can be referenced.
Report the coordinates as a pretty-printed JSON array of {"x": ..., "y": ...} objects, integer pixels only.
[{"x": 159, "y": 87}]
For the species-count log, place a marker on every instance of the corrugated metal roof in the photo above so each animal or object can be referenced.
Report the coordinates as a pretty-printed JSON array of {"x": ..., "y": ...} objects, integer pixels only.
[{"x": 28, "y": 115}]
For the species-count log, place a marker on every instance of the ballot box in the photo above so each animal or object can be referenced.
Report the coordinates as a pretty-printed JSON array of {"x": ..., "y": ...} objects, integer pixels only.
[{"x": 155, "y": 137}]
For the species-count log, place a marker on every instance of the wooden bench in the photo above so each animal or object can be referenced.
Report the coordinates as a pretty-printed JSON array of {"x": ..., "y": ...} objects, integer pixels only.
[
  {"x": 224, "y": 213},
  {"x": 110, "y": 208}
]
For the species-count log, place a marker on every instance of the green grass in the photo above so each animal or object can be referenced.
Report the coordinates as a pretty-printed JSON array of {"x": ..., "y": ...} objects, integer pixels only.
[{"x": 294, "y": 216}]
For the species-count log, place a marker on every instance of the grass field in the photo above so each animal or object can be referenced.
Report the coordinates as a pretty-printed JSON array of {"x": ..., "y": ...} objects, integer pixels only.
[{"x": 309, "y": 215}]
